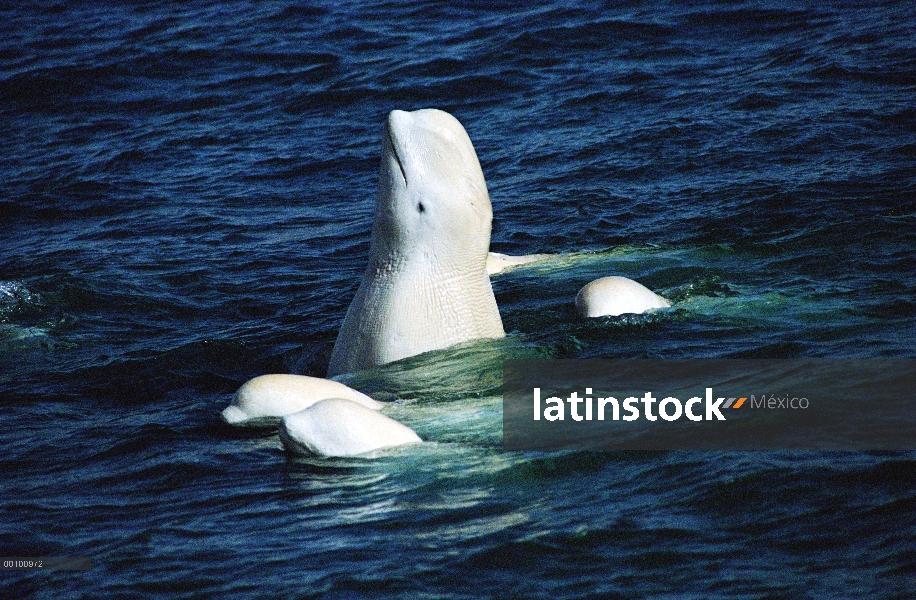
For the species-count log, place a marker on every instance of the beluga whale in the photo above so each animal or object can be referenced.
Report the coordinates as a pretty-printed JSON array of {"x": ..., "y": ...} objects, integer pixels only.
[
  {"x": 339, "y": 427},
  {"x": 269, "y": 397},
  {"x": 426, "y": 286},
  {"x": 614, "y": 296}
]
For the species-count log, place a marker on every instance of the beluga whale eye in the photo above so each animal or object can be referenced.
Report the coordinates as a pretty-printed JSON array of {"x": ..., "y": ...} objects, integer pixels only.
[{"x": 420, "y": 207}]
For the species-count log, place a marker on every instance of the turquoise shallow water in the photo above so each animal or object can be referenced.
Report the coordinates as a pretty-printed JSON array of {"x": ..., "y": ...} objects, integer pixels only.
[{"x": 185, "y": 203}]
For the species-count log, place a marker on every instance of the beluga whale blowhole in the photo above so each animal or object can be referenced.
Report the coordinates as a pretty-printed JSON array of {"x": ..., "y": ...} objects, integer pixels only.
[{"x": 426, "y": 286}]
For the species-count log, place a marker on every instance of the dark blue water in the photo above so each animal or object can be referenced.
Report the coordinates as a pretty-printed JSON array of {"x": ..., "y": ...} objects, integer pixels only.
[{"x": 185, "y": 201}]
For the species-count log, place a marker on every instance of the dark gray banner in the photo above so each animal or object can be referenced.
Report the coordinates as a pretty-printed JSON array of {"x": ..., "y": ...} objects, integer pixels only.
[{"x": 810, "y": 404}]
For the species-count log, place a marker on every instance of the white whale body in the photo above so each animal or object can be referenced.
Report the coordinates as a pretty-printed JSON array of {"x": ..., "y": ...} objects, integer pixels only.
[
  {"x": 614, "y": 296},
  {"x": 340, "y": 428},
  {"x": 426, "y": 285},
  {"x": 274, "y": 396}
]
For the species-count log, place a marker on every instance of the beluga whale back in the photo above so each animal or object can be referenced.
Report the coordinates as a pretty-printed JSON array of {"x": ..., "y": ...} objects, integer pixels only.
[{"x": 426, "y": 285}]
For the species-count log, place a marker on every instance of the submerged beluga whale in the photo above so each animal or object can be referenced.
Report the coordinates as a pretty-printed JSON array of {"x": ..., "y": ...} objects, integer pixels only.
[
  {"x": 615, "y": 296},
  {"x": 426, "y": 286}
]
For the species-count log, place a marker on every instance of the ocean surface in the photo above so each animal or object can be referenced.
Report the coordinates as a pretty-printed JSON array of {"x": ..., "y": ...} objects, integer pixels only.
[{"x": 186, "y": 195}]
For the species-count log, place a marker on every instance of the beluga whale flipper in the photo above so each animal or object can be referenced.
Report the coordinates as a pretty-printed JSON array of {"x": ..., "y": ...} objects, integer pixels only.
[
  {"x": 426, "y": 286},
  {"x": 497, "y": 263}
]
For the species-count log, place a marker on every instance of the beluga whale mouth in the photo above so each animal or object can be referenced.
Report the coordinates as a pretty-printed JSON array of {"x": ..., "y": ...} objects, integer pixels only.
[
  {"x": 426, "y": 285},
  {"x": 394, "y": 151}
]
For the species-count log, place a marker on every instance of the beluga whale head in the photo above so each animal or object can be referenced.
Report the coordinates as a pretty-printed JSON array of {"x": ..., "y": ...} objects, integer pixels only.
[
  {"x": 432, "y": 192},
  {"x": 426, "y": 286}
]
